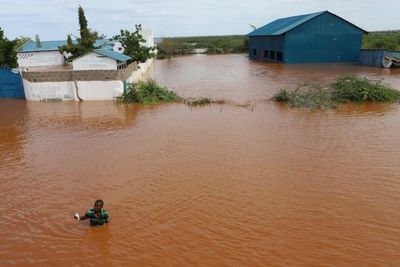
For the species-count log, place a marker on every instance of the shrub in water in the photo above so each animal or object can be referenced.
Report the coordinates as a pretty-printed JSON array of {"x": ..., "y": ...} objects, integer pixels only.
[
  {"x": 354, "y": 89},
  {"x": 199, "y": 102},
  {"x": 147, "y": 92},
  {"x": 346, "y": 89},
  {"x": 282, "y": 96}
]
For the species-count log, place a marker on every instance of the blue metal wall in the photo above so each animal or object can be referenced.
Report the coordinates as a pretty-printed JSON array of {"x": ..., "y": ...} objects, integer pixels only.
[
  {"x": 261, "y": 44},
  {"x": 374, "y": 57},
  {"x": 11, "y": 85},
  {"x": 323, "y": 39}
]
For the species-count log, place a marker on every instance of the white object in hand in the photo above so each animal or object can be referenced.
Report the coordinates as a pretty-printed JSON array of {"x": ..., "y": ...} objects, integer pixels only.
[{"x": 76, "y": 216}]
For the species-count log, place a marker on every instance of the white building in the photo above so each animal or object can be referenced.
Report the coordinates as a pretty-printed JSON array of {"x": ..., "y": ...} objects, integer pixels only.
[
  {"x": 47, "y": 54},
  {"x": 101, "y": 59}
]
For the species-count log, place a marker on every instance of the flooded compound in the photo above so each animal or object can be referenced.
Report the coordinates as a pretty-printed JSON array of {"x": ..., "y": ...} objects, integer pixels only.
[{"x": 220, "y": 185}]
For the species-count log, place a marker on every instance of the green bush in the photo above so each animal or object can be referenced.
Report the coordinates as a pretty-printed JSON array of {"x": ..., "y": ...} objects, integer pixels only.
[
  {"x": 147, "y": 92},
  {"x": 282, "y": 96},
  {"x": 312, "y": 96},
  {"x": 354, "y": 89},
  {"x": 346, "y": 89}
]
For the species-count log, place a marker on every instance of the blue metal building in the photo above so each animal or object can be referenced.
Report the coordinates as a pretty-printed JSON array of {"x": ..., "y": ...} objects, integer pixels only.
[{"x": 321, "y": 37}]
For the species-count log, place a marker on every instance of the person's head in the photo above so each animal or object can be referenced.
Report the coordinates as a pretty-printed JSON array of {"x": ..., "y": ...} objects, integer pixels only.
[{"x": 98, "y": 205}]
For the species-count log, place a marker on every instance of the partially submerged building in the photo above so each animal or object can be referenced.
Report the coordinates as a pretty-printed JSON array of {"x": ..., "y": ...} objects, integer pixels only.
[
  {"x": 47, "y": 54},
  {"x": 101, "y": 59},
  {"x": 321, "y": 37},
  {"x": 101, "y": 74}
]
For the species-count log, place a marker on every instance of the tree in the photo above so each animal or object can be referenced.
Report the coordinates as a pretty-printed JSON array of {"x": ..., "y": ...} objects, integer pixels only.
[
  {"x": 37, "y": 40},
  {"x": 21, "y": 41},
  {"x": 87, "y": 37},
  {"x": 8, "y": 54},
  {"x": 132, "y": 44},
  {"x": 85, "y": 42},
  {"x": 69, "y": 40}
]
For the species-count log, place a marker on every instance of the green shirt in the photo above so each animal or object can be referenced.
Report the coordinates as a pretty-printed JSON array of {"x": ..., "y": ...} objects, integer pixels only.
[{"x": 97, "y": 221}]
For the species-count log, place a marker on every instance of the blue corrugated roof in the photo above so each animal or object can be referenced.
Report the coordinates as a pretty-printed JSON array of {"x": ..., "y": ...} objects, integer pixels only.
[
  {"x": 112, "y": 54},
  {"x": 45, "y": 46},
  {"x": 54, "y": 45},
  {"x": 280, "y": 26}
]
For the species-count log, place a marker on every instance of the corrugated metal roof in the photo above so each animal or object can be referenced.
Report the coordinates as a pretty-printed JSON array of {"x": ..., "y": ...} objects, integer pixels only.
[
  {"x": 281, "y": 26},
  {"x": 45, "y": 46},
  {"x": 112, "y": 54},
  {"x": 54, "y": 45}
]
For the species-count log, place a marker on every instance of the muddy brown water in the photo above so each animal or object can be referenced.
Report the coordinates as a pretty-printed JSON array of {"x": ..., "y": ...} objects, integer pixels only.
[{"x": 223, "y": 185}]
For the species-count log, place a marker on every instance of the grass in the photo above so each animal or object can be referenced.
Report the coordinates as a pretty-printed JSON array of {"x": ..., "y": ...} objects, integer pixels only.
[
  {"x": 346, "y": 89},
  {"x": 147, "y": 92}
]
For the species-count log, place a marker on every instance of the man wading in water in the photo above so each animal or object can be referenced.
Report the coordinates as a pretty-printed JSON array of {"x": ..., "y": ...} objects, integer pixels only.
[{"x": 97, "y": 215}]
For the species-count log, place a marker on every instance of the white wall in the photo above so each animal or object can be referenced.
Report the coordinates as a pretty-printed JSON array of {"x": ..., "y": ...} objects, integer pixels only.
[
  {"x": 94, "y": 61},
  {"x": 117, "y": 47},
  {"x": 93, "y": 90},
  {"x": 40, "y": 59},
  {"x": 148, "y": 36},
  {"x": 49, "y": 90},
  {"x": 99, "y": 90},
  {"x": 140, "y": 74}
]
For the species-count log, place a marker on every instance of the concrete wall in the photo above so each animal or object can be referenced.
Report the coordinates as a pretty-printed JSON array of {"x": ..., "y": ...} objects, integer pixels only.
[
  {"x": 139, "y": 74},
  {"x": 85, "y": 90},
  {"x": 79, "y": 75},
  {"x": 94, "y": 61},
  {"x": 40, "y": 59},
  {"x": 86, "y": 85}
]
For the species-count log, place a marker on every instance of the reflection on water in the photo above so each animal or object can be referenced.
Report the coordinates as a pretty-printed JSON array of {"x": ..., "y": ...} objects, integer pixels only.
[{"x": 221, "y": 185}]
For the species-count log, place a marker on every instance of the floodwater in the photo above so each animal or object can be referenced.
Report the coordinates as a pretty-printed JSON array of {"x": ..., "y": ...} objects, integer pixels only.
[{"x": 222, "y": 185}]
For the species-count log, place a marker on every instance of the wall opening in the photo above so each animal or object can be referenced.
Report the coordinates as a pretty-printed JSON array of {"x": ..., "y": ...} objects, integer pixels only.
[
  {"x": 272, "y": 54},
  {"x": 254, "y": 52},
  {"x": 279, "y": 56}
]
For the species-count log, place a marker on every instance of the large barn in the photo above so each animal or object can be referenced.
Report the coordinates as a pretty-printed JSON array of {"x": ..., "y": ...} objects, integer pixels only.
[{"x": 321, "y": 37}]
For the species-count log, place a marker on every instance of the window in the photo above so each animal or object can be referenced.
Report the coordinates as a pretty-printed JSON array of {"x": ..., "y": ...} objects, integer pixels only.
[
  {"x": 272, "y": 54},
  {"x": 279, "y": 56},
  {"x": 254, "y": 51},
  {"x": 265, "y": 53}
]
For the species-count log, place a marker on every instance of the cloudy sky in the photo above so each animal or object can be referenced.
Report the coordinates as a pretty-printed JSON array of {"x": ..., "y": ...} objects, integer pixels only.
[{"x": 54, "y": 19}]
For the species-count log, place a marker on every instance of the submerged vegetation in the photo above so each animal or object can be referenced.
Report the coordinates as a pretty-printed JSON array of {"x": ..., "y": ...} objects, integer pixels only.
[
  {"x": 147, "y": 92},
  {"x": 212, "y": 44},
  {"x": 346, "y": 89}
]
